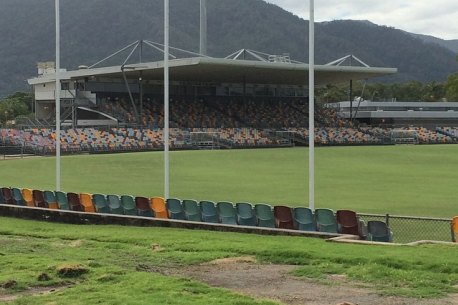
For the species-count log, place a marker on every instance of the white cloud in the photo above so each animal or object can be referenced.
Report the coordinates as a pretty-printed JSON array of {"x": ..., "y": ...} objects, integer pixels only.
[{"x": 438, "y": 18}]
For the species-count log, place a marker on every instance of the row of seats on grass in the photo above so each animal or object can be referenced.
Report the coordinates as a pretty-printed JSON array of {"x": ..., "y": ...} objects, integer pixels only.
[
  {"x": 245, "y": 214},
  {"x": 85, "y": 202}
]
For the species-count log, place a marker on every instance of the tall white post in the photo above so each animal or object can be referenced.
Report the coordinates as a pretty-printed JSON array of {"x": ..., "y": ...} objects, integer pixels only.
[
  {"x": 203, "y": 27},
  {"x": 312, "y": 106},
  {"x": 57, "y": 93},
  {"x": 166, "y": 101}
]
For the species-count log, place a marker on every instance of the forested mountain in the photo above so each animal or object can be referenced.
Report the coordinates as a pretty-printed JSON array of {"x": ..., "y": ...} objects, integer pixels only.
[
  {"x": 452, "y": 44},
  {"x": 93, "y": 29}
]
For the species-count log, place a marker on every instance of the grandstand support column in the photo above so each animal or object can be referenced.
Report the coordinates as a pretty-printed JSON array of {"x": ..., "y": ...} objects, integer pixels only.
[
  {"x": 244, "y": 88},
  {"x": 350, "y": 98},
  {"x": 140, "y": 84},
  {"x": 312, "y": 106},
  {"x": 203, "y": 27},
  {"x": 131, "y": 98},
  {"x": 166, "y": 101},
  {"x": 57, "y": 93}
]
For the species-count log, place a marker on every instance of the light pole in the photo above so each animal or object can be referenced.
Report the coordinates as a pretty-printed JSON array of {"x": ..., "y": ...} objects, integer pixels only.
[
  {"x": 312, "y": 106},
  {"x": 57, "y": 92},
  {"x": 166, "y": 102}
]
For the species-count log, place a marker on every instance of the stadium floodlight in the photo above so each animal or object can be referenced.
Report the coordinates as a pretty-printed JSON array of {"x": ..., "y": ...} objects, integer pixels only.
[
  {"x": 312, "y": 106},
  {"x": 166, "y": 101},
  {"x": 57, "y": 96}
]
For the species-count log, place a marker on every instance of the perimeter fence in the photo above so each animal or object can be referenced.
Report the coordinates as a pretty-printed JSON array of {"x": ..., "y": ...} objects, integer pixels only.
[{"x": 409, "y": 229}]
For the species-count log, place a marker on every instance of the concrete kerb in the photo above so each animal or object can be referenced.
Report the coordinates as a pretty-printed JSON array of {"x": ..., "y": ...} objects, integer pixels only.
[
  {"x": 72, "y": 217},
  {"x": 83, "y": 218}
]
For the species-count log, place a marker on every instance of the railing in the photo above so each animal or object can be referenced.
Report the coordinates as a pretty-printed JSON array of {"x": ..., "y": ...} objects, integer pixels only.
[
  {"x": 409, "y": 229},
  {"x": 8, "y": 151}
]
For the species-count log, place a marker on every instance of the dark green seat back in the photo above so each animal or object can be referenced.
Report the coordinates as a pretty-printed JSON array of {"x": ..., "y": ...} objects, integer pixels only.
[
  {"x": 114, "y": 203},
  {"x": 128, "y": 205},
  {"x": 379, "y": 231},
  {"x": 265, "y": 215},
  {"x": 326, "y": 221},
  {"x": 192, "y": 210},
  {"x": 61, "y": 199},
  {"x": 227, "y": 213},
  {"x": 17, "y": 196},
  {"x": 245, "y": 214},
  {"x": 304, "y": 219},
  {"x": 209, "y": 212},
  {"x": 100, "y": 203},
  {"x": 175, "y": 209}
]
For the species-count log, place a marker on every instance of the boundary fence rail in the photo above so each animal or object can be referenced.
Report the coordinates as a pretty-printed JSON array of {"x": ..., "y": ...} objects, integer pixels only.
[{"x": 409, "y": 228}]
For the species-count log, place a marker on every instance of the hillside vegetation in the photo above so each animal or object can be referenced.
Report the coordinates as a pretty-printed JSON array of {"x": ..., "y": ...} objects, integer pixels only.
[{"x": 93, "y": 31}]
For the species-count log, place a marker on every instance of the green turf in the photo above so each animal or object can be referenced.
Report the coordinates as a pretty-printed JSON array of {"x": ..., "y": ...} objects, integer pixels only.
[
  {"x": 122, "y": 268},
  {"x": 403, "y": 180}
]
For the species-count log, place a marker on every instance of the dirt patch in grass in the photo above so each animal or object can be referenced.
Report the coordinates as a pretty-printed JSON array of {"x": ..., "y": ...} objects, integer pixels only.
[
  {"x": 274, "y": 282},
  {"x": 71, "y": 270},
  {"x": 33, "y": 291}
]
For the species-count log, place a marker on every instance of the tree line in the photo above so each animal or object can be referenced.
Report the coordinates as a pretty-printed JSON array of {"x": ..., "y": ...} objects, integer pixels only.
[
  {"x": 412, "y": 91},
  {"x": 14, "y": 105}
]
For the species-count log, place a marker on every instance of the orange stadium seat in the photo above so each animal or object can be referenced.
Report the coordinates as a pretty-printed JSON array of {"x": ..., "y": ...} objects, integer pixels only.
[
  {"x": 86, "y": 202},
  {"x": 28, "y": 197},
  {"x": 159, "y": 207}
]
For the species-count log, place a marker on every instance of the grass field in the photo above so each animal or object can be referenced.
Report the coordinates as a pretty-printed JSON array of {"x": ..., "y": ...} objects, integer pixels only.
[
  {"x": 403, "y": 180},
  {"x": 121, "y": 266}
]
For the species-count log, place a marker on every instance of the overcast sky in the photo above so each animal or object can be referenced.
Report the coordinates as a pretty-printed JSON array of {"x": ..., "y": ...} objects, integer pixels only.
[{"x": 431, "y": 17}]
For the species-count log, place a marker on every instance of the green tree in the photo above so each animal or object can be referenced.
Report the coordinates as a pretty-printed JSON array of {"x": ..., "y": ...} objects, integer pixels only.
[
  {"x": 451, "y": 88},
  {"x": 14, "y": 105}
]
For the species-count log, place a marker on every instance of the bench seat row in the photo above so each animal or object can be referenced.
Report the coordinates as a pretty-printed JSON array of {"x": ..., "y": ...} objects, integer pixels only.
[{"x": 223, "y": 212}]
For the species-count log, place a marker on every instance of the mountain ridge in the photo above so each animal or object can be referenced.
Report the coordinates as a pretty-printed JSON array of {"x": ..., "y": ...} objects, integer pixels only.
[{"x": 90, "y": 33}]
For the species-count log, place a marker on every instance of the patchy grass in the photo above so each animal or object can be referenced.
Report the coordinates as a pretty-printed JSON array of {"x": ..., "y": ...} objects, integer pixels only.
[{"x": 121, "y": 264}]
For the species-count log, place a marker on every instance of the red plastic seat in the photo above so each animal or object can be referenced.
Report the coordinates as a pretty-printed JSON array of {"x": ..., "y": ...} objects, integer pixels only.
[{"x": 283, "y": 217}]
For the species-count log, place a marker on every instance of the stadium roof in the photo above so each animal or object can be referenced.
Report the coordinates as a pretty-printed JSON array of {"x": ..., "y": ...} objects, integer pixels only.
[{"x": 223, "y": 70}]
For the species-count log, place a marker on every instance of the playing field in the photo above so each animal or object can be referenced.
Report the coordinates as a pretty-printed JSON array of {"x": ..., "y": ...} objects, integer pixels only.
[{"x": 402, "y": 180}]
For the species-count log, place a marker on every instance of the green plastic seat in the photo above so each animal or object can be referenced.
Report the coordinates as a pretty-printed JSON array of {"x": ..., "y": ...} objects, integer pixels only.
[
  {"x": 17, "y": 196},
  {"x": 50, "y": 199},
  {"x": 128, "y": 205},
  {"x": 209, "y": 212},
  {"x": 114, "y": 203},
  {"x": 101, "y": 203},
  {"x": 192, "y": 210},
  {"x": 379, "y": 231},
  {"x": 326, "y": 221},
  {"x": 304, "y": 219},
  {"x": 175, "y": 209},
  {"x": 265, "y": 215},
  {"x": 245, "y": 214},
  {"x": 227, "y": 213},
  {"x": 61, "y": 199}
]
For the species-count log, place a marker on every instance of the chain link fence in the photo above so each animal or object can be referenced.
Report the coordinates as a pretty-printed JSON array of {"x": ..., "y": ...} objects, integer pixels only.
[{"x": 408, "y": 229}]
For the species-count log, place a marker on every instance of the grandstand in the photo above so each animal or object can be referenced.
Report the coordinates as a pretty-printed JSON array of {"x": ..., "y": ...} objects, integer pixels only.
[{"x": 214, "y": 103}]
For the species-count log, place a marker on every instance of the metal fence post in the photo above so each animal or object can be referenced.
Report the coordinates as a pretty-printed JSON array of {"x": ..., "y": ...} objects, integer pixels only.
[{"x": 387, "y": 220}]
